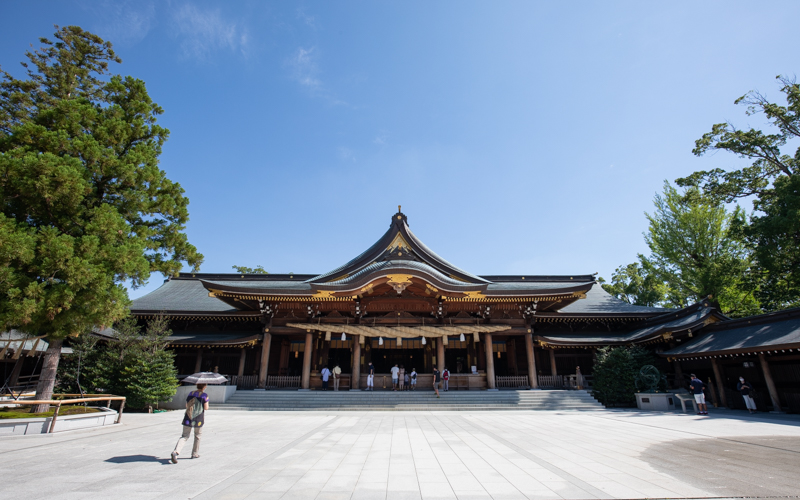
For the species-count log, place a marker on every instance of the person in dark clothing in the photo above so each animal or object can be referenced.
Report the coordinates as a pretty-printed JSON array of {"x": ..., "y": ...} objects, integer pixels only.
[
  {"x": 744, "y": 389},
  {"x": 437, "y": 377},
  {"x": 370, "y": 377},
  {"x": 194, "y": 418},
  {"x": 697, "y": 386}
]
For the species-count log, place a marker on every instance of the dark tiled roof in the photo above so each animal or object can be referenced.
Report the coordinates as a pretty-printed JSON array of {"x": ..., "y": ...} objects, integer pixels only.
[
  {"x": 190, "y": 337},
  {"x": 753, "y": 334},
  {"x": 598, "y": 301},
  {"x": 277, "y": 287},
  {"x": 180, "y": 295},
  {"x": 390, "y": 265}
]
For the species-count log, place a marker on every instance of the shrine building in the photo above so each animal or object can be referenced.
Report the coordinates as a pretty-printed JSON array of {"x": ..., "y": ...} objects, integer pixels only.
[{"x": 401, "y": 303}]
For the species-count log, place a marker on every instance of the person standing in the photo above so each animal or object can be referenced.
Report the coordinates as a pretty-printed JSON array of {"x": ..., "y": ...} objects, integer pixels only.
[
  {"x": 437, "y": 377},
  {"x": 337, "y": 374},
  {"x": 370, "y": 377},
  {"x": 744, "y": 389},
  {"x": 326, "y": 374},
  {"x": 697, "y": 387},
  {"x": 194, "y": 418},
  {"x": 401, "y": 378},
  {"x": 446, "y": 379},
  {"x": 413, "y": 379},
  {"x": 407, "y": 380},
  {"x": 395, "y": 374}
]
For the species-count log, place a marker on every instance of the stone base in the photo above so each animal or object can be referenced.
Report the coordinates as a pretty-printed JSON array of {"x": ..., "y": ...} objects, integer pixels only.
[
  {"x": 657, "y": 401},
  {"x": 22, "y": 426}
]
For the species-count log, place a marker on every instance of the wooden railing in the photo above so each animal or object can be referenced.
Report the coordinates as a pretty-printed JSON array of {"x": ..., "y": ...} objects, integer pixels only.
[
  {"x": 86, "y": 398},
  {"x": 244, "y": 382},
  {"x": 514, "y": 381},
  {"x": 551, "y": 381},
  {"x": 283, "y": 382},
  {"x": 565, "y": 381}
]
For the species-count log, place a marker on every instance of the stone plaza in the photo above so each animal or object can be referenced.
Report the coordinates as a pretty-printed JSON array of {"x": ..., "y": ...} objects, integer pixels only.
[{"x": 416, "y": 455}]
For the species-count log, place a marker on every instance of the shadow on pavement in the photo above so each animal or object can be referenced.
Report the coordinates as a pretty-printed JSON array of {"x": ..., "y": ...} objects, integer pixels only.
[{"x": 137, "y": 458}]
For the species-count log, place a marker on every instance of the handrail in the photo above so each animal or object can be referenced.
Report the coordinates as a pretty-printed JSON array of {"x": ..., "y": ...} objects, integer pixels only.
[{"x": 59, "y": 402}]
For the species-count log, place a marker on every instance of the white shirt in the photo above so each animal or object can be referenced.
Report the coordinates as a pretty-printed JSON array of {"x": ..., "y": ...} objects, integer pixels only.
[
  {"x": 395, "y": 371},
  {"x": 413, "y": 375},
  {"x": 325, "y": 374}
]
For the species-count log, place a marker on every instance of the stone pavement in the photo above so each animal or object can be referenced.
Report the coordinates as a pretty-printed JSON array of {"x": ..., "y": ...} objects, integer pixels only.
[{"x": 412, "y": 455}]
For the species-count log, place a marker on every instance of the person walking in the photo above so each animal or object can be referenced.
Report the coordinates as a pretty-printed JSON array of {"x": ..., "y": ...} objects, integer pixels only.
[
  {"x": 370, "y": 377},
  {"x": 744, "y": 389},
  {"x": 437, "y": 377},
  {"x": 337, "y": 375},
  {"x": 413, "y": 379},
  {"x": 395, "y": 373},
  {"x": 194, "y": 418},
  {"x": 401, "y": 378},
  {"x": 326, "y": 374},
  {"x": 697, "y": 387},
  {"x": 446, "y": 379}
]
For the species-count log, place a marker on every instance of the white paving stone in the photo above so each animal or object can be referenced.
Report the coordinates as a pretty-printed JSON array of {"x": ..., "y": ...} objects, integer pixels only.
[{"x": 415, "y": 455}]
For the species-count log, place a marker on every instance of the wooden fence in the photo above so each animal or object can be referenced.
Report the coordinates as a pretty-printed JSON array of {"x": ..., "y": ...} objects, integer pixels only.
[
  {"x": 244, "y": 382},
  {"x": 283, "y": 382},
  {"x": 515, "y": 382}
]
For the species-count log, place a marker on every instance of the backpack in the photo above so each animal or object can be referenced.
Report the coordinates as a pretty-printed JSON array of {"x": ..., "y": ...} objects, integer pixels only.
[{"x": 194, "y": 407}]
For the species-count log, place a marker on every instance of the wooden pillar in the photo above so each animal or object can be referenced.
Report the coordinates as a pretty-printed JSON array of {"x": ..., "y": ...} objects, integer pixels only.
[
  {"x": 14, "y": 379},
  {"x": 266, "y": 343},
  {"x": 713, "y": 390},
  {"x": 773, "y": 391},
  {"x": 440, "y": 354},
  {"x": 242, "y": 356},
  {"x": 354, "y": 378},
  {"x": 198, "y": 362},
  {"x": 487, "y": 347},
  {"x": 723, "y": 398},
  {"x": 305, "y": 381},
  {"x": 553, "y": 368},
  {"x": 533, "y": 379}
]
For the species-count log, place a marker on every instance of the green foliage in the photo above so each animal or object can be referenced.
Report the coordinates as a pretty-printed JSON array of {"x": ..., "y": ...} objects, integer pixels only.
[
  {"x": 250, "y": 270},
  {"x": 772, "y": 178},
  {"x": 615, "y": 374},
  {"x": 85, "y": 205},
  {"x": 697, "y": 251},
  {"x": 75, "y": 370},
  {"x": 136, "y": 365},
  {"x": 637, "y": 284}
]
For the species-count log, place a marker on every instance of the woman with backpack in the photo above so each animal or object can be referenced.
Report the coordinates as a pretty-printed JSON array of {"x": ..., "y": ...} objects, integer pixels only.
[{"x": 194, "y": 418}]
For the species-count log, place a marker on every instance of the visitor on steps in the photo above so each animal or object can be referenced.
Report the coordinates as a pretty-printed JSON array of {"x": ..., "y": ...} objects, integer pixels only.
[
  {"x": 401, "y": 378},
  {"x": 395, "y": 373},
  {"x": 437, "y": 377},
  {"x": 370, "y": 377},
  {"x": 413, "y": 379},
  {"x": 337, "y": 374},
  {"x": 446, "y": 379},
  {"x": 406, "y": 380},
  {"x": 697, "y": 387},
  {"x": 325, "y": 376},
  {"x": 194, "y": 418},
  {"x": 744, "y": 389}
]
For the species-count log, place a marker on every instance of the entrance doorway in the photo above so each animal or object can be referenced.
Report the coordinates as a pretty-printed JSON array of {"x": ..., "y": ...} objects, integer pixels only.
[{"x": 385, "y": 359}]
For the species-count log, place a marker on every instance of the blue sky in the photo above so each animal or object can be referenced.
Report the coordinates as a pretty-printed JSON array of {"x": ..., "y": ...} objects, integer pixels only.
[{"x": 520, "y": 137}]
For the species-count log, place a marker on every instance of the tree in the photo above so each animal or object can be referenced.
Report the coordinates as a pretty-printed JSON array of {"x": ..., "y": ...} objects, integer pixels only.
[
  {"x": 772, "y": 178},
  {"x": 85, "y": 205},
  {"x": 615, "y": 374},
  {"x": 696, "y": 250},
  {"x": 637, "y": 284},
  {"x": 250, "y": 270}
]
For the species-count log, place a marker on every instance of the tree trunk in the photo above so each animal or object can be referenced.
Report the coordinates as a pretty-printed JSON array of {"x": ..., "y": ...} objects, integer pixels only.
[{"x": 47, "y": 379}]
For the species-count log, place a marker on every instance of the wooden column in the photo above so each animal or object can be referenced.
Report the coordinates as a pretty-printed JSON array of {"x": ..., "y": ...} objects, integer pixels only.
[
  {"x": 305, "y": 382},
  {"x": 553, "y": 369},
  {"x": 198, "y": 362},
  {"x": 266, "y": 343},
  {"x": 487, "y": 347},
  {"x": 14, "y": 379},
  {"x": 723, "y": 398},
  {"x": 440, "y": 354},
  {"x": 773, "y": 391},
  {"x": 242, "y": 357},
  {"x": 356, "y": 362},
  {"x": 533, "y": 379}
]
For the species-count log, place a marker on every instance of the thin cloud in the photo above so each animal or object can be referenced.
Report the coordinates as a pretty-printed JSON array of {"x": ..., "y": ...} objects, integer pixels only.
[
  {"x": 204, "y": 32},
  {"x": 126, "y": 22},
  {"x": 307, "y": 19},
  {"x": 346, "y": 154},
  {"x": 381, "y": 139},
  {"x": 304, "y": 70}
]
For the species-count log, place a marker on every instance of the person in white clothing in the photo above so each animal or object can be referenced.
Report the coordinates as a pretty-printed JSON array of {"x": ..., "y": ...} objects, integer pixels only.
[
  {"x": 370, "y": 377},
  {"x": 337, "y": 375},
  {"x": 395, "y": 375},
  {"x": 413, "y": 379},
  {"x": 325, "y": 376}
]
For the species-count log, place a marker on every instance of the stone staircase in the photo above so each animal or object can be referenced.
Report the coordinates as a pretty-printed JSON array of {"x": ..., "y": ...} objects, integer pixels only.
[{"x": 286, "y": 400}]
